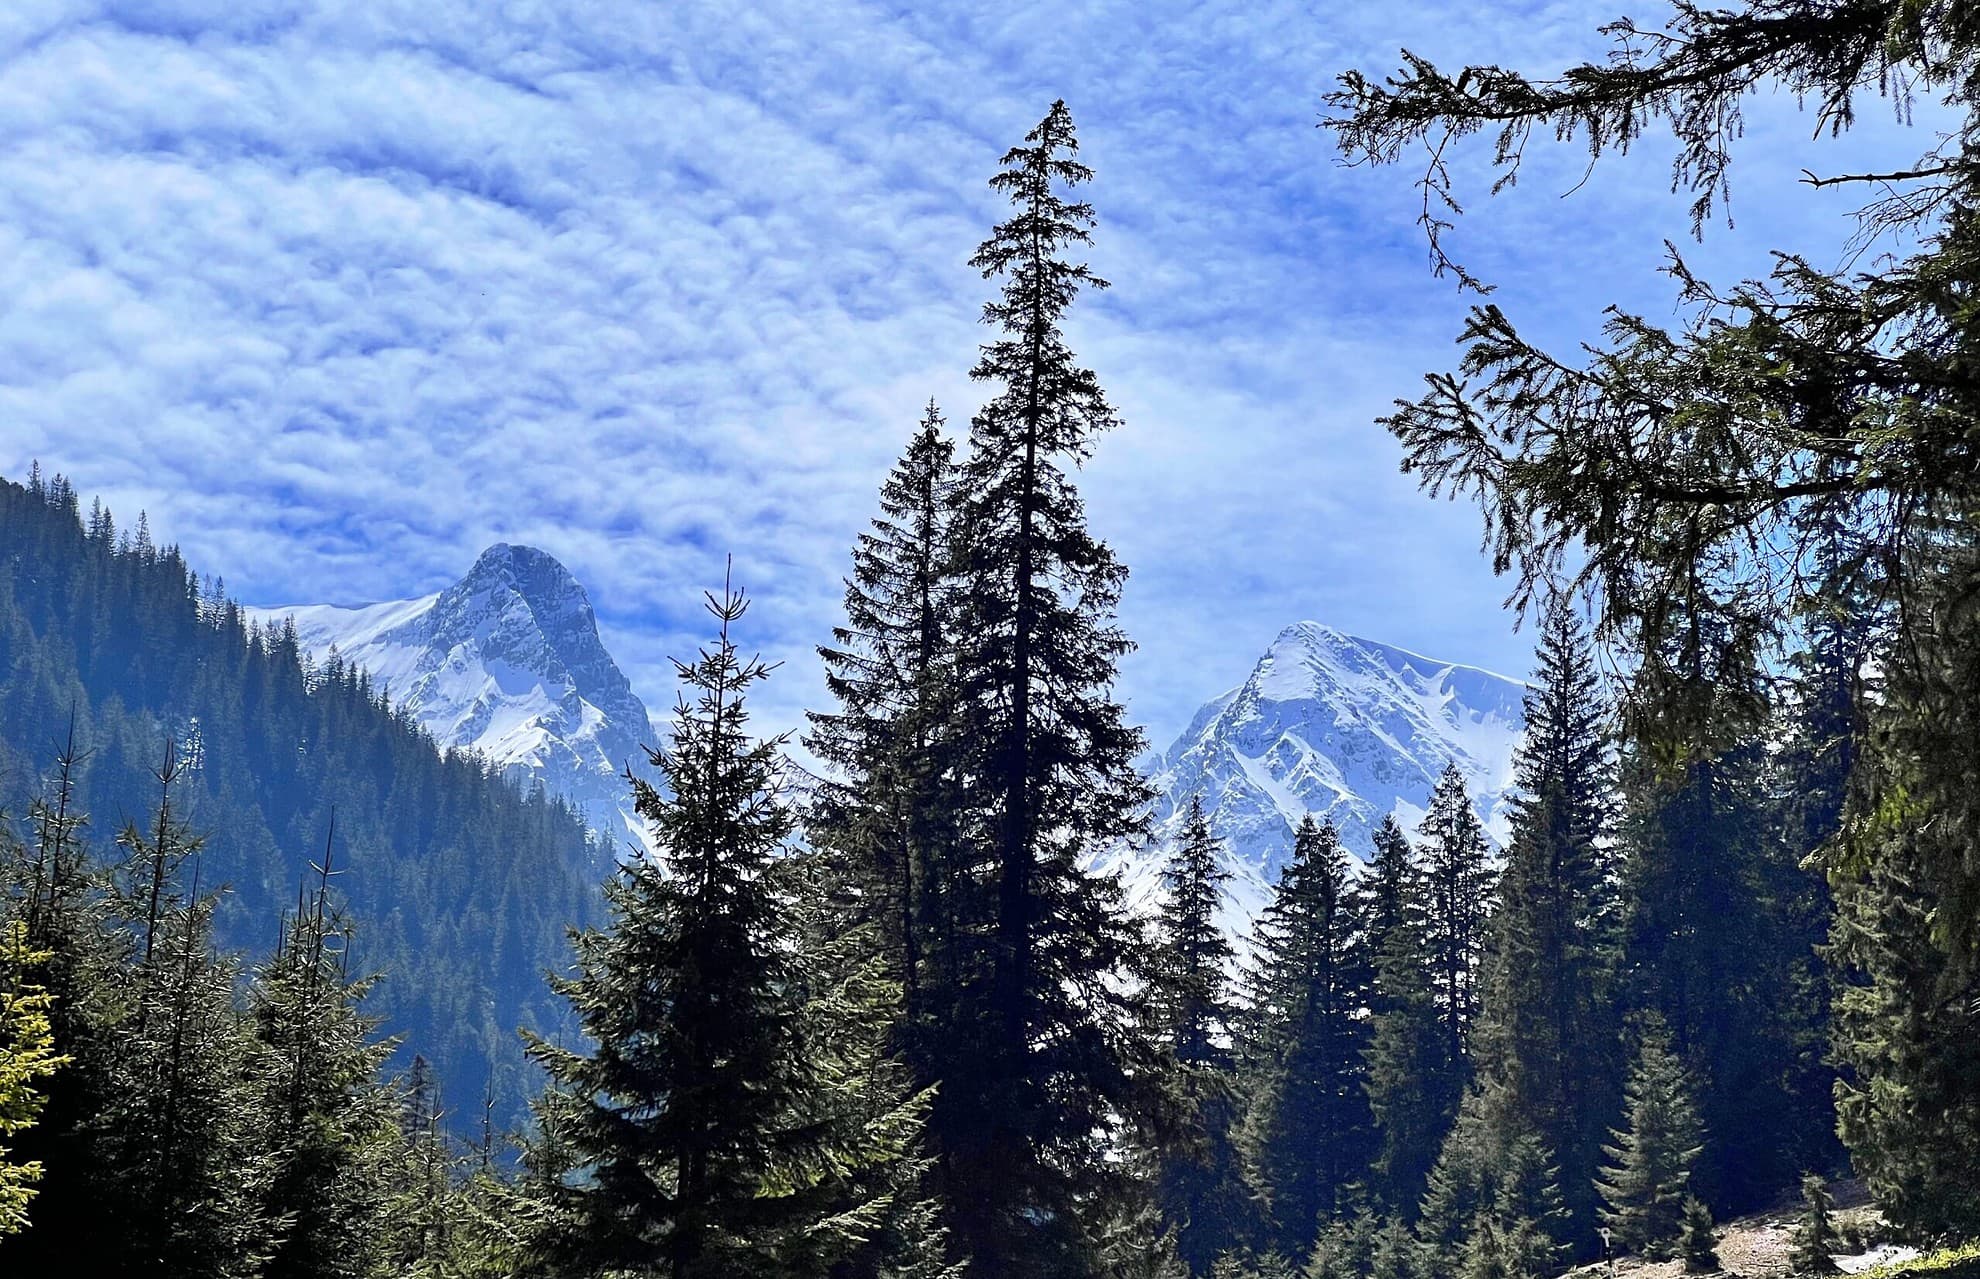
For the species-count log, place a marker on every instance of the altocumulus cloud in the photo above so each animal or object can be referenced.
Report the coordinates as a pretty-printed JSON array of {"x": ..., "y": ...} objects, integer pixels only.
[{"x": 342, "y": 292}]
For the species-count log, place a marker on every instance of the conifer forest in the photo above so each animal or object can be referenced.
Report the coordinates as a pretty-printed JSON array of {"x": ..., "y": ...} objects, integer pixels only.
[{"x": 291, "y": 988}]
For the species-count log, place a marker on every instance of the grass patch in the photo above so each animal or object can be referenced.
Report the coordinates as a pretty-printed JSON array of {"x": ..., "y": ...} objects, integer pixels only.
[{"x": 1962, "y": 1262}]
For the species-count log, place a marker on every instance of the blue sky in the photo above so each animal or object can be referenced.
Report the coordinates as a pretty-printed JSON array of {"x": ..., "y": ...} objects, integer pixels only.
[{"x": 342, "y": 292}]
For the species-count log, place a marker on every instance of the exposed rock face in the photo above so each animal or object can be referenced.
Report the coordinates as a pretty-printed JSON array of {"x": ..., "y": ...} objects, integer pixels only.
[
  {"x": 506, "y": 662},
  {"x": 1336, "y": 726}
]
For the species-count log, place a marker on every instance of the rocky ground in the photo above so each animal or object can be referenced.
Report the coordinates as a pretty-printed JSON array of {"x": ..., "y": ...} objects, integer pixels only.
[{"x": 1758, "y": 1247}]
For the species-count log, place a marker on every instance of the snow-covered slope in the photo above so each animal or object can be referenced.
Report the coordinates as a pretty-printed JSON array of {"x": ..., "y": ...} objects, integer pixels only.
[
  {"x": 1333, "y": 725},
  {"x": 507, "y": 662}
]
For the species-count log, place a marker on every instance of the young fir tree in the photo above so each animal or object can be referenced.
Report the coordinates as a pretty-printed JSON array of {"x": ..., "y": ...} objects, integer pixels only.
[
  {"x": 692, "y": 1144},
  {"x": 1494, "y": 1196},
  {"x": 1456, "y": 1195},
  {"x": 420, "y": 1234},
  {"x": 1816, "y": 1239},
  {"x": 1308, "y": 1126},
  {"x": 27, "y": 1060},
  {"x": 884, "y": 813},
  {"x": 1395, "y": 1252},
  {"x": 326, "y": 1119},
  {"x": 1412, "y": 1082},
  {"x": 1545, "y": 1032},
  {"x": 1198, "y": 1173},
  {"x": 1528, "y": 1210},
  {"x": 1345, "y": 1248},
  {"x": 1648, "y": 1179},
  {"x": 175, "y": 1153},
  {"x": 1698, "y": 1248},
  {"x": 1458, "y": 910},
  {"x": 1040, "y": 1045}
]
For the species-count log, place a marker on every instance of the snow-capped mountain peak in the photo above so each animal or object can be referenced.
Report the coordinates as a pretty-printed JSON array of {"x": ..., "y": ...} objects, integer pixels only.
[
  {"x": 1337, "y": 726},
  {"x": 506, "y": 662}
]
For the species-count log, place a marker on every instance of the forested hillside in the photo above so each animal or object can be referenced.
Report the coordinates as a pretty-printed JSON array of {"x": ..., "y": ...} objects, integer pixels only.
[{"x": 459, "y": 887}]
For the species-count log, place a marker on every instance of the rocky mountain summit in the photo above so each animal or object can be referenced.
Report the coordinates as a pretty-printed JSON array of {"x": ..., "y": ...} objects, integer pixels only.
[
  {"x": 506, "y": 662},
  {"x": 1337, "y": 726}
]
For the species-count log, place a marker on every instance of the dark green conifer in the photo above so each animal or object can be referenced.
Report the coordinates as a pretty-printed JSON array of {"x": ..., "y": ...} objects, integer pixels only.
[
  {"x": 1412, "y": 1083},
  {"x": 327, "y": 1123},
  {"x": 1395, "y": 1252},
  {"x": 1816, "y": 1239},
  {"x": 1546, "y": 1029},
  {"x": 692, "y": 1151},
  {"x": 1308, "y": 1129},
  {"x": 1699, "y": 1247},
  {"x": 1198, "y": 1169},
  {"x": 884, "y": 813},
  {"x": 1648, "y": 1178},
  {"x": 1458, "y": 908},
  {"x": 1039, "y": 1047}
]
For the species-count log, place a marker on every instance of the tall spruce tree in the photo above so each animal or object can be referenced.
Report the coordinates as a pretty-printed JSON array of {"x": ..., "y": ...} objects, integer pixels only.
[
  {"x": 1199, "y": 1173},
  {"x": 691, "y": 1147},
  {"x": 1309, "y": 1124},
  {"x": 1458, "y": 911},
  {"x": 1041, "y": 1046},
  {"x": 1819, "y": 733},
  {"x": 1705, "y": 942},
  {"x": 884, "y": 812},
  {"x": 1648, "y": 1180},
  {"x": 1413, "y": 1083},
  {"x": 1546, "y": 1035}
]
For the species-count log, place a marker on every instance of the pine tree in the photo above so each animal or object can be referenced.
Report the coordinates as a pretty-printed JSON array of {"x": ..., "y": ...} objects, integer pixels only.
[
  {"x": 1345, "y": 1248},
  {"x": 885, "y": 813},
  {"x": 1455, "y": 1196},
  {"x": 419, "y": 1238},
  {"x": 173, "y": 1151},
  {"x": 1039, "y": 1047},
  {"x": 1645, "y": 1185},
  {"x": 1816, "y": 1239},
  {"x": 737, "y": 1113},
  {"x": 1459, "y": 904},
  {"x": 327, "y": 1121},
  {"x": 1704, "y": 942},
  {"x": 1395, "y": 1252},
  {"x": 1412, "y": 1083},
  {"x": 682, "y": 1122},
  {"x": 1494, "y": 1197},
  {"x": 1308, "y": 1127},
  {"x": 1819, "y": 731},
  {"x": 1544, "y": 1030},
  {"x": 1198, "y": 1175},
  {"x": 879, "y": 1221},
  {"x": 1908, "y": 1108},
  {"x": 1528, "y": 1209},
  {"x": 1699, "y": 1246}
]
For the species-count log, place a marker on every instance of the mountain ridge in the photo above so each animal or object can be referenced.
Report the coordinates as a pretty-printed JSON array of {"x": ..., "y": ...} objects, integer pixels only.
[
  {"x": 506, "y": 662},
  {"x": 1333, "y": 725}
]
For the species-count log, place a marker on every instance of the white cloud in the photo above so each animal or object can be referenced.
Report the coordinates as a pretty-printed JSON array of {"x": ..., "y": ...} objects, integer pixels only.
[{"x": 343, "y": 293}]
